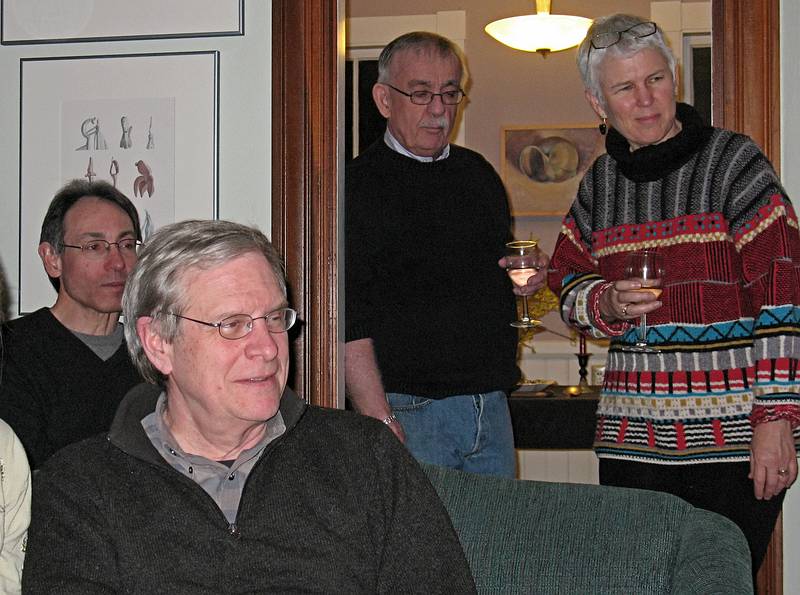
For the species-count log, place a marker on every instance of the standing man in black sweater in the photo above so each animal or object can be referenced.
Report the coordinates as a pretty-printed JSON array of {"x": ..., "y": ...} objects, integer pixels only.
[
  {"x": 65, "y": 368},
  {"x": 429, "y": 348}
]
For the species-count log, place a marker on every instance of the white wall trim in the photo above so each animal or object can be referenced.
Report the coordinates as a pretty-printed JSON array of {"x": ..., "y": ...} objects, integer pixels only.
[
  {"x": 376, "y": 32},
  {"x": 676, "y": 19}
]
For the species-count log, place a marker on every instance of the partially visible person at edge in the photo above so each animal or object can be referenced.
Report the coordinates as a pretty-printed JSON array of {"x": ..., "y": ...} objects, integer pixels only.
[
  {"x": 712, "y": 416},
  {"x": 15, "y": 491},
  {"x": 215, "y": 477},
  {"x": 429, "y": 350},
  {"x": 65, "y": 368}
]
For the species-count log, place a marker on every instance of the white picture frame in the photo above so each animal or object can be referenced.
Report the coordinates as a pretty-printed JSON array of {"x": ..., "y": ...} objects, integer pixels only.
[
  {"x": 60, "y": 21},
  {"x": 180, "y": 88}
]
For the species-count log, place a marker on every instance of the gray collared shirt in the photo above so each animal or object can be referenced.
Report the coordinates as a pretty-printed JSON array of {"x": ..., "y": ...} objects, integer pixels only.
[{"x": 224, "y": 484}]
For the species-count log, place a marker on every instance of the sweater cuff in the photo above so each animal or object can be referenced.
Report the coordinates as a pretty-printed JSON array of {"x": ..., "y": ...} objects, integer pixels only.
[
  {"x": 766, "y": 413},
  {"x": 587, "y": 311}
]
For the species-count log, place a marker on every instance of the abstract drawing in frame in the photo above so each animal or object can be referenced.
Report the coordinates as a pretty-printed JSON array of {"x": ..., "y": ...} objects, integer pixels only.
[{"x": 541, "y": 166}]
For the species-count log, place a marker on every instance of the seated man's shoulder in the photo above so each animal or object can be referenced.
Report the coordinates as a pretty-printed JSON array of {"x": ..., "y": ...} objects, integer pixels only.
[
  {"x": 333, "y": 430},
  {"x": 32, "y": 320},
  {"x": 341, "y": 421},
  {"x": 80, "y": 463},
  {"x": 32, "y": 328}
]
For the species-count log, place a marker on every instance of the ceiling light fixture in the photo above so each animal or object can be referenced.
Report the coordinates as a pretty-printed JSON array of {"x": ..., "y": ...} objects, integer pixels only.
[{"x": 541, "y": 32}]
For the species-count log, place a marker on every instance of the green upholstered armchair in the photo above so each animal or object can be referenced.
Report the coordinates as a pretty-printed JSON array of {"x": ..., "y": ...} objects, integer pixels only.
[{"x": 539, "y": 537}]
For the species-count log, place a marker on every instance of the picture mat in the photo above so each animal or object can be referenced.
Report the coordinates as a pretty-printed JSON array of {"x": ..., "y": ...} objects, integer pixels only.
[
  {"x": 46, "y": 21},
  {"x": 190, "y": 78}
]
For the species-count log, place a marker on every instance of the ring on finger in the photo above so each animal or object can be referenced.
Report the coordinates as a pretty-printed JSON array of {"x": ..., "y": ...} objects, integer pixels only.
[
  {"x": 783, "y": 472},
  {"x": 625, "y": 310}
]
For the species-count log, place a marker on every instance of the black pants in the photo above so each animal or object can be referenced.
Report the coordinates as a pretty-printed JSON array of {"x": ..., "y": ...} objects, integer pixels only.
[{"x": 719, "y": 487}]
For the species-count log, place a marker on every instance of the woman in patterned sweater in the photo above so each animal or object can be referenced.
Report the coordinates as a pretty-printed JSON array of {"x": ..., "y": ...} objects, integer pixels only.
[{"x": 712, "y": 414}]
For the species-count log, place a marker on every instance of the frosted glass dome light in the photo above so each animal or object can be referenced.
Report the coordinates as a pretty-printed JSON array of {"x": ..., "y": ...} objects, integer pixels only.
[{"x": 541, "y": 32}]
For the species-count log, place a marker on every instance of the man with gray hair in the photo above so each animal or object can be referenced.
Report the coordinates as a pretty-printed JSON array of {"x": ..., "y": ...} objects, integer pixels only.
[
  {"x": 65, "y": 368},
  {"x": 429, "y": 349},
  {"x": 217, "y": 478}
]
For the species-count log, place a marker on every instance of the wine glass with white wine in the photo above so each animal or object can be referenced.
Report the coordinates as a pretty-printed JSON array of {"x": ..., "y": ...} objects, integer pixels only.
[
  {"x": 647, "y": 267},
  {"x": 522, "y": 263}
]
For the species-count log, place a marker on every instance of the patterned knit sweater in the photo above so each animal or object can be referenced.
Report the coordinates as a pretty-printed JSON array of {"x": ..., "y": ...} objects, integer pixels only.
[{"x": 709, "y": 201}]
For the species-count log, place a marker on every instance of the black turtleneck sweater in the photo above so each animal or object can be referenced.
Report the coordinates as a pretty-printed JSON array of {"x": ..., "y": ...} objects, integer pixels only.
[{"x": 422, "y": 281}]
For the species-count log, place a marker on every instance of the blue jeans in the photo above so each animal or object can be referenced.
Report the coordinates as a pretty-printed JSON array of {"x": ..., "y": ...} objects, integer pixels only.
[{"x": 468, "y": 432}]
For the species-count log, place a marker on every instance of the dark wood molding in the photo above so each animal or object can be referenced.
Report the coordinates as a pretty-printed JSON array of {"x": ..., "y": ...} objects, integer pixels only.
[
  {"x": 746, "y": 70},
  {"x": 305, "y": 184},
  {"x": 746, "y": 90}
]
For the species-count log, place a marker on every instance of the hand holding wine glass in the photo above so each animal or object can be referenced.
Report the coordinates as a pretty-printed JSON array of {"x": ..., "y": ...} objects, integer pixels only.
[
  {"x": 647, "y": 268},
  {"x": 522, "y": 262}
]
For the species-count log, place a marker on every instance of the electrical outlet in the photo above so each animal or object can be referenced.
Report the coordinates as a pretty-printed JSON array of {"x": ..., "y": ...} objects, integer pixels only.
[{"x": 598, "y": 371}]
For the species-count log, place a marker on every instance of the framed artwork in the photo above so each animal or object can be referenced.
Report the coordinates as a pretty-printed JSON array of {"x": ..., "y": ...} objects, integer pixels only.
[
  {"x": 57, "y": 21},
  {"x": 542, "y": 166},
  {"x": 147, "y": 123}
]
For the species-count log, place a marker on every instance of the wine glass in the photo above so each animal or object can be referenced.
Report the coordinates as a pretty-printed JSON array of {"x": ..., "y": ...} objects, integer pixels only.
[
  {"x": 647, "y": 267},
  {"x": 522, "y": 262}
]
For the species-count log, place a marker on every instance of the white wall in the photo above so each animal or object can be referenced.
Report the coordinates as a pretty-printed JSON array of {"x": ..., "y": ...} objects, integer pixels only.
[
  {"x": 245, "y": 108},
  {"x": 790, "y": 173}
]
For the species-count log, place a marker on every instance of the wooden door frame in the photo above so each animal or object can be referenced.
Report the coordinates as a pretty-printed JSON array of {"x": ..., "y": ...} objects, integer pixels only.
[
  {"x": 306, "y": 41},
  {"x": 305, "y": 178},
  {"x": 746, "y": 95}
]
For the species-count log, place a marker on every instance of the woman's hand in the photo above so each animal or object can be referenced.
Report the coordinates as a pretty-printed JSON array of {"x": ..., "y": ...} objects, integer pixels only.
[
  {"x": 773, "y": 462},
  {"x": 625, "y": 300}
]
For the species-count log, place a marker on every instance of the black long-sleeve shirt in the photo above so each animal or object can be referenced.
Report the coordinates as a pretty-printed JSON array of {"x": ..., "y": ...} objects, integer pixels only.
[{"x": 422, "y": 281}]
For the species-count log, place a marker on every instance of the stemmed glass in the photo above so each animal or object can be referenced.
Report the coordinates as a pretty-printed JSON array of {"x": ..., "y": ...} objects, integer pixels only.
[
  {"x": 522, "y": 262},
  {"x": 647, "y": 267}
]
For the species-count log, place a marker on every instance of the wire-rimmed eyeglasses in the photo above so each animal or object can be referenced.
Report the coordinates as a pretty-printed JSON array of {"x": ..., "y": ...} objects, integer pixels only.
[
  {"x": 602, "y": 41},
  {"x": 99, "y": 249},
  {"x": 240, "y": 325},
  {"x": 453, "y": 97}
]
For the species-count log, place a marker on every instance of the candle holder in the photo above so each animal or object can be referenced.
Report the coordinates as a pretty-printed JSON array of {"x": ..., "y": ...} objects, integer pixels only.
[
  {"x": 583, "y": 383},
  {"x": 583, "y": 356}
]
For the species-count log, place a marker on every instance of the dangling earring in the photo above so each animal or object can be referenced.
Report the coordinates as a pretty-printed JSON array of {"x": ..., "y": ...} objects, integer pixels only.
[{"x": 603, "y": 127}]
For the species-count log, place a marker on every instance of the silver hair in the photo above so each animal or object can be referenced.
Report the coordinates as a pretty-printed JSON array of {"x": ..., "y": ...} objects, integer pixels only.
[
  {"x": 590, "y": 59},
  {"x": 156, "y": 283},
  {"x": 419, "y": 41}
]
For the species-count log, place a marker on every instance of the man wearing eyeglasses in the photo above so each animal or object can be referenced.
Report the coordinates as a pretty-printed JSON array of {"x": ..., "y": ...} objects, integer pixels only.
[
  {"x": 217, "y": 478},
  {"x": 65, "y": 368},
  {"x": 429, "y": 350}
]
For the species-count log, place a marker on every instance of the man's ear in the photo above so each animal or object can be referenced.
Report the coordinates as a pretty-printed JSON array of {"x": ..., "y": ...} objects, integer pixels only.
[
  {"x": 157, "y": 350},
  {"x": 595, "y": 103},
  {"x": 51, "y": 259},
  {"x": 380, "y": 95}
]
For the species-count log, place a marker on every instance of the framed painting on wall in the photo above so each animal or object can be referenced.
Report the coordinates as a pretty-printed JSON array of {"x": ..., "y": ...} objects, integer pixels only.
[
  {"x": 57, "y": 21},
  {"x": 541, "y": 166},
  {"x": 146, "y": 123}
]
